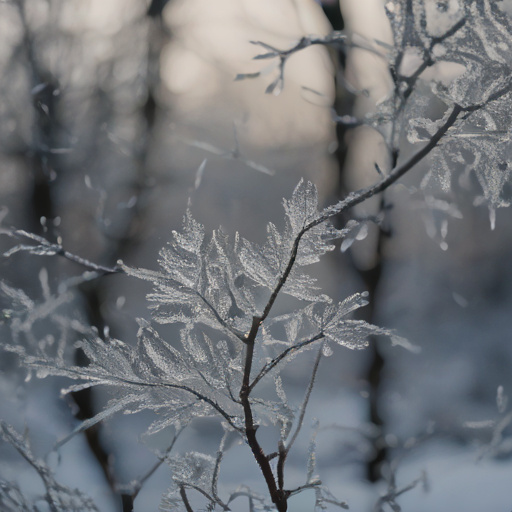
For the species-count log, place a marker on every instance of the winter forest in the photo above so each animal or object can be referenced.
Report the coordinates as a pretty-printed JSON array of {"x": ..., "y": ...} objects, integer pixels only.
[{"x": 255, "y": 255}]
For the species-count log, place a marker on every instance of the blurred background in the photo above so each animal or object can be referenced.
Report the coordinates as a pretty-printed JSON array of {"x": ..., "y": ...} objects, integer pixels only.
[{"x": 115, "y": 114}]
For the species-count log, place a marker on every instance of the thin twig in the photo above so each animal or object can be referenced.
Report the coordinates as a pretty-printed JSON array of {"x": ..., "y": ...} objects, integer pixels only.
[
  {"x": 183, "y": 495},
  {"x": 24, "y": 451},
  {"x": 290, "y": 350},
  {"x": 283, "y": 453},
  {"x": 215, "y": 477},
  {"x": 53, "y": 249},
  {"x": 401, "y": 97},
  {"x": 161, "y": 460},
  {"x": 307, "y": 395},
  {"x": 304, "y": 487},
  {"x": 355, "y": 198},
  {"x": 248, "y": 494},
  {"x": 196, "y": 488}
]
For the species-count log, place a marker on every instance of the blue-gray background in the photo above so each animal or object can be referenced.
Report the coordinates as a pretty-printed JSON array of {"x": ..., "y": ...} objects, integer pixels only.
[{"x": 102, "y": 110}]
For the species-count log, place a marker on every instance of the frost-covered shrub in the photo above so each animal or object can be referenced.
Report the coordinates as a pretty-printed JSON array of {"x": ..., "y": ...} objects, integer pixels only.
[{"x": 221, "y": 290}]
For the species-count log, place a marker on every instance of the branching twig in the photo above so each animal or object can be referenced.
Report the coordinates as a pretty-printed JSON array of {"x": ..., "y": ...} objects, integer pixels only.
[
  {"x": 401, "y": 96},
  {"x": 161, "y": 460},
  {"x": 358, "y": 197},
  {"x": 250, "y": 428},
  {"x": 284, "y": 450},
  {"x": 215, "y": 477},
  {"x": 280, "y": 496},
  {"x": 335, "y": 39},
  {"x": 188, "y": 485},
  {"x": 248, "y": 494},
  {"x": 393, "y": 493},
  {"x": 290, "y": 350},
  {"x": 46, "y": 248},
  {"x": 234, "y": 154},
  {"x": 100, "y": 380},
  {"x": 305, "y": 487}
]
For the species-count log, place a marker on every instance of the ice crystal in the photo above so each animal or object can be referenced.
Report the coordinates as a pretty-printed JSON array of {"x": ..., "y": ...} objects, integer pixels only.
[
  {"x": 193, "y": 469},
  {"x": 196, "y": 471},
  {"x": 265, "y": 265},
  {"x": 206, "y": 281}
]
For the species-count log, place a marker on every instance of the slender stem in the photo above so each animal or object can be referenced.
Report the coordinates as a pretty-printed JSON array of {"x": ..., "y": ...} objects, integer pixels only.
[
  {"x": 215, "y": 477},
  {"x": 199, "y": 490},
  {"x": 24, "y": 450},
  {"x": 283, "y": 451},
  {"x": 183, "y": 495},
  {"x": 280, "y": 465},
  {"x": 161, "y": 460},
  {"x": 248, "y": 494},
  {"x": 272, "y": 455},
  {"x": 301, "y": 488},
  {"x": 355, "y": 198},
  {"x": 278, "y": 496},
  {"x": 358, "y": 197},
  {"x": 249, "y": 351},
  {"x": 306, "y": 399}
]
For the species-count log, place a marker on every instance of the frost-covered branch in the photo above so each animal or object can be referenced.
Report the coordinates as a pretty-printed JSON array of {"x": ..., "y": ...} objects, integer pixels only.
[
  {"x": 234, "y": 154},
  {"x": 428, "y": 61},
  {"x": 358, "y": 197},
  {"x": 46, "y": 248},
  {"x": 216, "y": 470},
  {"x": 244, "y": 491},
  {"x": 285, "y": 449},
  {"x": 277, "y": 495},
  {"x": 393, "y": 492},
  {"x": 199, "y": 396}
]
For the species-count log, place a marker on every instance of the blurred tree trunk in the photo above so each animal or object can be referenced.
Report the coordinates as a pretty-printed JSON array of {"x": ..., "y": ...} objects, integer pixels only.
[{"x": 344, "y": 105}]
